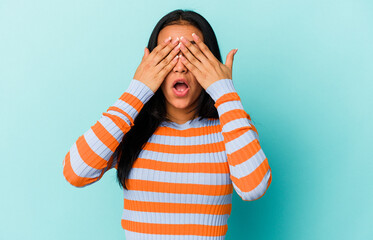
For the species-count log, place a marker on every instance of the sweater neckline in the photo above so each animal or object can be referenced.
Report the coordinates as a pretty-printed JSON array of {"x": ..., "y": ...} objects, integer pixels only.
[{"x": 186, "y": 125}]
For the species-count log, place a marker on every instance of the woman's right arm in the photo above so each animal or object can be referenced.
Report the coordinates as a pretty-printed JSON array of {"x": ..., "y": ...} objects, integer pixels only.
[{"x": 94, "y": 152}]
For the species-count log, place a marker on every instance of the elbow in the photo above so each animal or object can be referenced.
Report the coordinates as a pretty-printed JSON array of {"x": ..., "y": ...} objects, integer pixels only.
[
  {"x": 74, "y": 181},
  {"x": 73, "y": 178},
  {"x": 258, "y": 191}
]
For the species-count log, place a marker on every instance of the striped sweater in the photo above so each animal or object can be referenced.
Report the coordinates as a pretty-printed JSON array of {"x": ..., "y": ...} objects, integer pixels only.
[{"x": 181, "y": 184}]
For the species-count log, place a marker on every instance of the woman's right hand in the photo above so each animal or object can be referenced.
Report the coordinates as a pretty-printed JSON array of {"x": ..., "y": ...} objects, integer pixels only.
[{"x": 155, "y": 66}]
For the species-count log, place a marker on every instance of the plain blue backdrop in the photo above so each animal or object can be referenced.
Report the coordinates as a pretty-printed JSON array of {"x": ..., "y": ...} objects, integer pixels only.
[{"x": 304, "y": 73}]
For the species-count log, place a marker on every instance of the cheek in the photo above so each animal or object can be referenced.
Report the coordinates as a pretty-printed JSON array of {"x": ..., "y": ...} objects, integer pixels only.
[
  {"x": 198, "y": 91},
  {"x": 165, "y": 84},
  {"x": 163, "y": 87}
]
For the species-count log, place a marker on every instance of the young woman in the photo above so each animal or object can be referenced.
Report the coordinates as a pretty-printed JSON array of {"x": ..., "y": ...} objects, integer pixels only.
[{"x": 178, "y": 137}]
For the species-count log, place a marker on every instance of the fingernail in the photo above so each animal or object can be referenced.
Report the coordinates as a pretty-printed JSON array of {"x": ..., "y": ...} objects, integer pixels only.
[
  {"x": 177, "y": 47},
  {"x": 182, "y": 46},
  {"x": 235, "y": 50},
  {"x": 167, "y": 39},
  {"x": 175, "y": 41},
  {"x": 175, "y": 58},
  {"x": 195, "y": 36}
]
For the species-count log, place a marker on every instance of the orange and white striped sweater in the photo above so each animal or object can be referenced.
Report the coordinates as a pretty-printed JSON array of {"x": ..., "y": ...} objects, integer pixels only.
[{"x": 181, "y": 185}]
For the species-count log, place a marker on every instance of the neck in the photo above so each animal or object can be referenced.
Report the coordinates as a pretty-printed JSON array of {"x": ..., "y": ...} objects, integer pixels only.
[{"x": 179, "y": 116}]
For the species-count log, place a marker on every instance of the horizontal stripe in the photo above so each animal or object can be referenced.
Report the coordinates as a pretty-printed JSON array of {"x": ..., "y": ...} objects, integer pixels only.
[
  {"x": 235, "y": 124},
  {"x": 244, "y": 153},
  {"x": 135, "y": 235},
  {"x": 180, "y": 177},
  {"x": 232, "y": 115},
  {"x": 228, "y": 106},
  {"x": 175, "y": 229},
  {"x": 176, "y": 197},
  {"x": 72, "y": 177},
  {"x": 79, "y": 167},
  {"x": 184, "y": 158},
  {"x": 231, "y": 96},
  {"x": 170, "y": 130},
  {"x": 126, "y": 109},
  {"x": 242, "y": 138},
  {"x": 114, "y": 111},
  {"x": 212, "y": 190},
  {"x": 252, "y": 180},
  {"x": 178, "y": 167},
  {"x": 122, "y": 124},
  {"x": 185, "y": 149},
  {"x": 105, "y": 137},
  {"x": 191, "y": 140},
  {"x": 159, "y": 207},
  {"x": 248, "y": 166},
  {"x": 234, "y": 134},
  {"x": 257, "y": 192},
  {"x": 140, "y": 90},
  {"x": 133, "y": 101},
  {"x": 112, "y": 128},
  {"x": 220, "y": 88},
  {"x": 193, "y": 123},
  {"x": 176, "y": 218},
  {"x": 93, "y": 144}
]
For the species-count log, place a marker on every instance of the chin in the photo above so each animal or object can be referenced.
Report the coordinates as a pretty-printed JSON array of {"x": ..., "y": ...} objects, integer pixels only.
[{"x": 180, "y": 104}]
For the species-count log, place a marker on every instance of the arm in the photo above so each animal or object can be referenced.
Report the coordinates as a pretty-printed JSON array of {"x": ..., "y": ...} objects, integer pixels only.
[
  {"x": 248, "y": 165},
  {"x": 96, "y": 151}
]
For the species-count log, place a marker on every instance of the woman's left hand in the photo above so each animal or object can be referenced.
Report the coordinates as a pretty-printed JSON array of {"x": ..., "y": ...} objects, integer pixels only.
[{"x": 203, "y": 64}]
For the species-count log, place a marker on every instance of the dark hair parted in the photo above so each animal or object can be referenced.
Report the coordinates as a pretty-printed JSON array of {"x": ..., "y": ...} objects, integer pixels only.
[{"x": 154, "y": 111}]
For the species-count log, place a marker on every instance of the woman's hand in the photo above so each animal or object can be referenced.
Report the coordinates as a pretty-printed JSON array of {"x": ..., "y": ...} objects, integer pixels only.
[
  {"x": 203, "y": 64},
  {"x": 155, "y": 66}
]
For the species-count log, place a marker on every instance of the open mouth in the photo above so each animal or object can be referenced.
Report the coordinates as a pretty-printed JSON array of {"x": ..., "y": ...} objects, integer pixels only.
[{"x": 180, "y": 87}]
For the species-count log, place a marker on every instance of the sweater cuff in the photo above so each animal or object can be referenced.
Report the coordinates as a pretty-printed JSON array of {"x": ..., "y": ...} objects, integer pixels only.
[
  {"x": 140, "y": 90},
  {"x": 133, "y": 100},
  {"x": 220, "y": 87}
]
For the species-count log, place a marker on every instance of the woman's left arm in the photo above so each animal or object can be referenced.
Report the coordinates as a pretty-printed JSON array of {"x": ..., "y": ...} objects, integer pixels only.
[
  {"x": 249, "y": 169},
  {"x": 248, "y": 165}
]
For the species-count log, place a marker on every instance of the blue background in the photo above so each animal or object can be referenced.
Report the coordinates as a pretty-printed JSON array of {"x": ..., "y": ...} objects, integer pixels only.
[{"x": 303, "y": 70}]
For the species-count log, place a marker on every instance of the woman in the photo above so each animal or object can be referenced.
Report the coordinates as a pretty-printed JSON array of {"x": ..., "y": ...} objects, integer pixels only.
[{"x": 178, "y": 137}]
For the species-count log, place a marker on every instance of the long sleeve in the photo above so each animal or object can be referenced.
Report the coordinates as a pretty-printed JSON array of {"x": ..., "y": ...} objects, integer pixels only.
[
  {"x": 95, "y": 152},
  {"x": 249, "y": 169}
]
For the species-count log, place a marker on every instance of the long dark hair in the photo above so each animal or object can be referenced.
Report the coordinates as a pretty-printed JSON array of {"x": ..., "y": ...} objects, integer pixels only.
[{"x": 154, "y": 111}]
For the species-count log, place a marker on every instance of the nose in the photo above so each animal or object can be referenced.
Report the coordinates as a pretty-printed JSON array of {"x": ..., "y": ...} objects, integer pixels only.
[{"x": 180, "y": 67}]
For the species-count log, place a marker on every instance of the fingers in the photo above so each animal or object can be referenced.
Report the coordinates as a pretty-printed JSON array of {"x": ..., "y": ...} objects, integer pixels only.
[
  {"x": 170, "y": 61},
  {"x": 191, "y": 58},
  {"x": 160, "y": 51},
  {"x": 165, "y": 51},
  {"x": 203, "y": 47},
  {"x": 229, "y": 59},
  {"x": 156, "y": 49},
  {"x": 191, "y": 67},
  {"x": 146, "y": 53},
  {"x": 190, "y": 49},
  {"x": 167, "y": 68}
]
